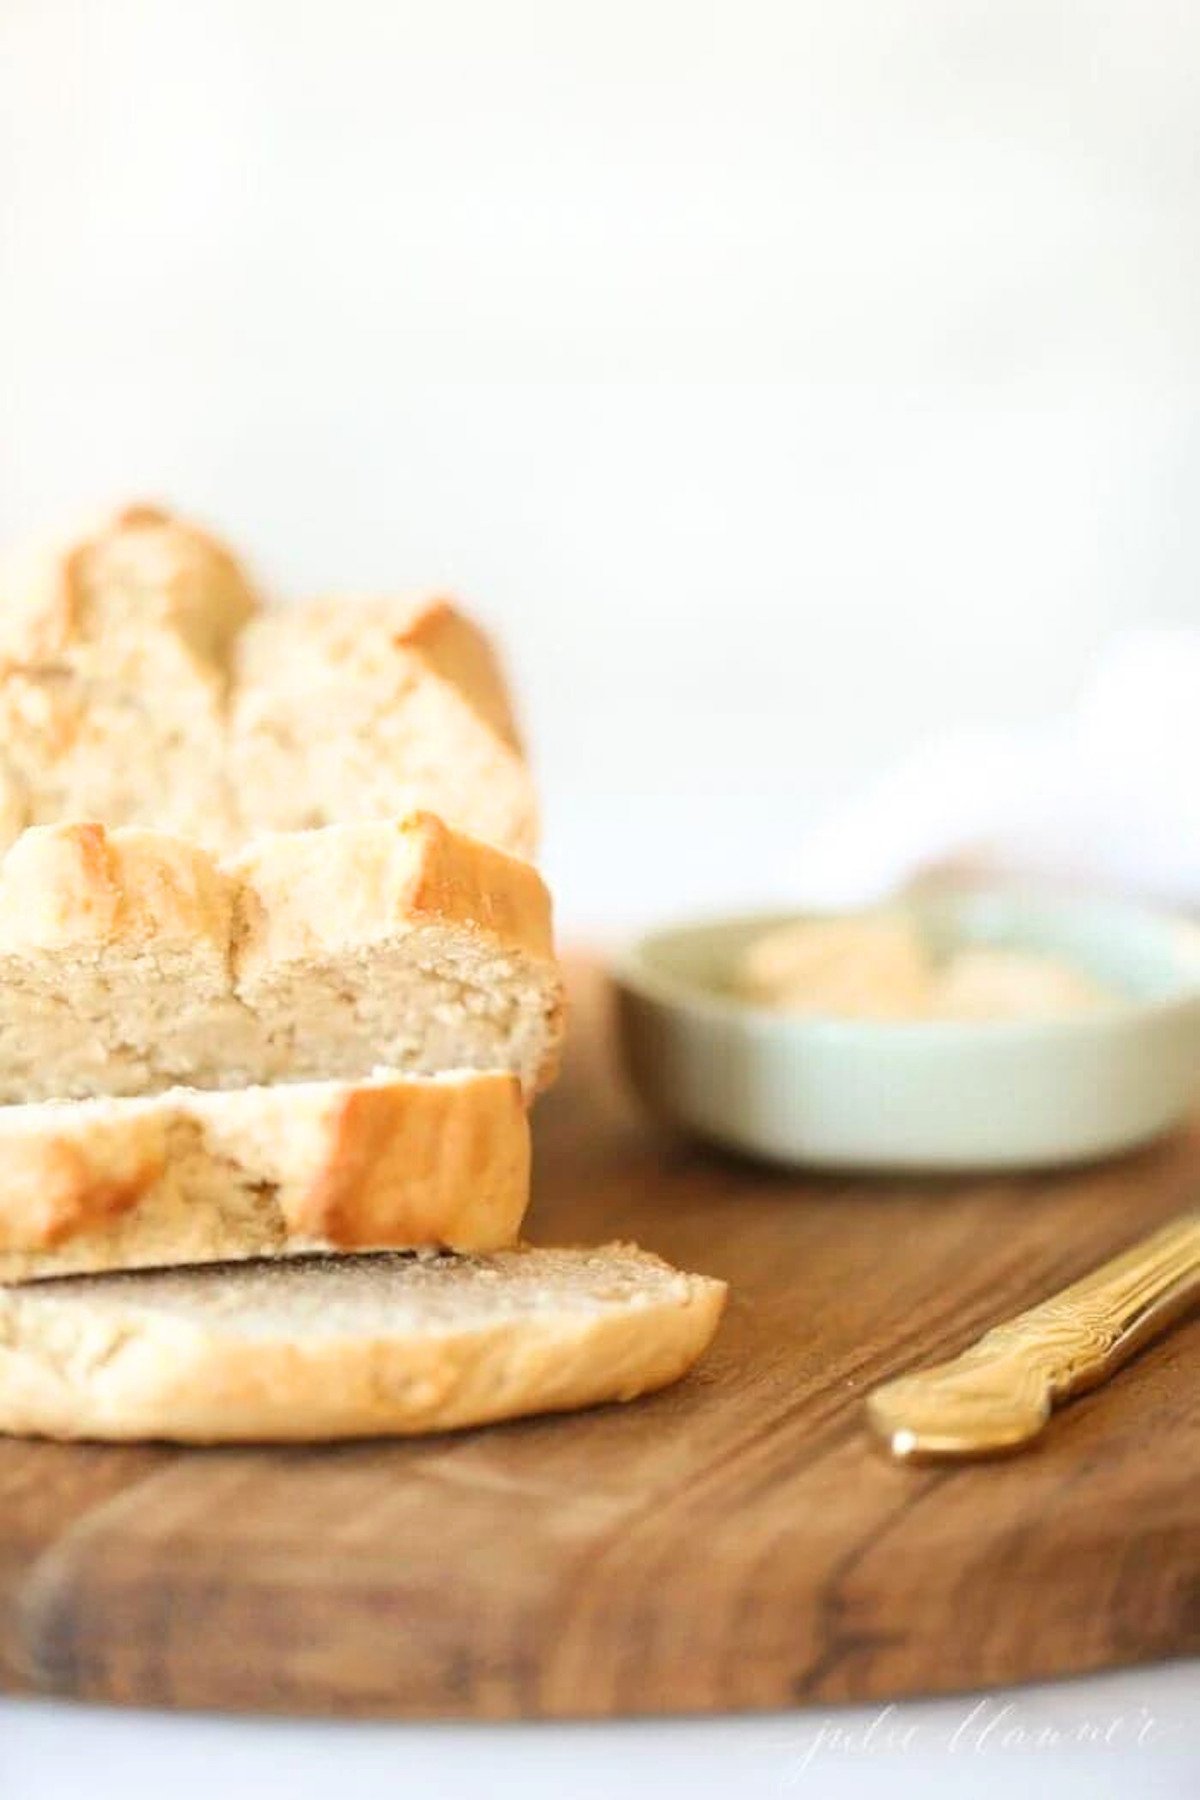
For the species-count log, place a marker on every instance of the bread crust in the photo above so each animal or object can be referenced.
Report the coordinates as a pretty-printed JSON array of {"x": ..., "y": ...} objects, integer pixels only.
[
  {"x": 459, "y": 652},
  {"x": 127, "y": 1370},
  {"x": 423, "y": 1163},
  {"x": 143, "y": 683},
  {"x": 70, "y": 887},
  {"x": 54, "y": 1190},
  {"x": 177, "y": 574},
  {"x": 132, "y": 961},
  {"x": 418, "y": 1163},
  {"x": 344, "y": 885}
]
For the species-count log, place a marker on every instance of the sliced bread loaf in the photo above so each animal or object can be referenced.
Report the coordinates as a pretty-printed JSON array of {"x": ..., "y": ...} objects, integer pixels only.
[
  {"x": 420, "y": 1162},
  {"x": 132, "y": 962},
  {"x": 141, "y": 684},
  {"x": 364, "y": 1346}
]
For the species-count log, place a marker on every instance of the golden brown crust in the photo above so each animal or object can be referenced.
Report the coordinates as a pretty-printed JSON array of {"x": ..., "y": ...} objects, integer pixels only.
[
  {"x": 54, "y": 1191},
  {"x": 64, "y": 886},
  {"x": 361, "y": 628},
  {"x": 309, "y": 890},
  {"x": 453, "y": 647},
  {"x": 458, "y": 878},
  {"x": 448, "y": 1159},
  {"x": 416, "y": 1163}
]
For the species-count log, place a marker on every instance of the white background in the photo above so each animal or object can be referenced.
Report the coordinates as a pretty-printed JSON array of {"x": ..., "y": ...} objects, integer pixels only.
[
  {"x": 1117, "y": 1737},
  {"x": 787, "y": 380}
]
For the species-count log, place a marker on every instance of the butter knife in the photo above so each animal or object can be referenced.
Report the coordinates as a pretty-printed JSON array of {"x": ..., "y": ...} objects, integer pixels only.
[{"x": 998, "y": 1395}]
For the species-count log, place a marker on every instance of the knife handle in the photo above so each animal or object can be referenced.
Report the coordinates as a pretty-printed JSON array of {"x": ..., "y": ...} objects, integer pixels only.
[{"x": 999, "y": 1394}]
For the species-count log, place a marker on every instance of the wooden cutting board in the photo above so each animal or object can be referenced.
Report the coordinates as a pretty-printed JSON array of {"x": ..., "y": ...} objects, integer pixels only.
[{"x": 735, "y": 1542}]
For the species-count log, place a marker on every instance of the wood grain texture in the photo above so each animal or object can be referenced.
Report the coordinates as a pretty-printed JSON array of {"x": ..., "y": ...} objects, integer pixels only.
[{"x": 735, "y": 1542}]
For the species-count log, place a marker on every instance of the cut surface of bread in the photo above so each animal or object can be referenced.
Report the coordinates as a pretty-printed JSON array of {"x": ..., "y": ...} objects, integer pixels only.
[
  {"x": 362, "y": 1346},
  {"x": 421, "y": 1162},
  {"x": 141, "y": 683},
  {"x": 131, "y": 961}
]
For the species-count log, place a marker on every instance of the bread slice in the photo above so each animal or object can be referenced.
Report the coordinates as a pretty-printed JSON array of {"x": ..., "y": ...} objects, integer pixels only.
[
  {"x": 131, "y": 962},
  {"x": 365, "y": 1346},
  {"x": 142, "y": 684},
  {"x": 421, "y": 1162}
]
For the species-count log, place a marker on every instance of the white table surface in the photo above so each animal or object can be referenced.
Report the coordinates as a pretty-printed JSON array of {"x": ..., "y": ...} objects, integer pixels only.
[{"x": 1127, "y": 1736}]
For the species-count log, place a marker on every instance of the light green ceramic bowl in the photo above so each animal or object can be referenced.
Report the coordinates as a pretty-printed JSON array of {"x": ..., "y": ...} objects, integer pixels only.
[{"x": 933, "y": 1094}]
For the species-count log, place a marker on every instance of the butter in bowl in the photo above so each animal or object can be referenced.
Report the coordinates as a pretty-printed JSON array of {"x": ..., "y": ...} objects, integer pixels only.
[{"x": 961, "y": 1030}]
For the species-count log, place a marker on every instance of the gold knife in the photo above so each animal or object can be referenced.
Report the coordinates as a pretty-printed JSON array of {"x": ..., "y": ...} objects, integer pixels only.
[{"x": 999, "y": 1394}]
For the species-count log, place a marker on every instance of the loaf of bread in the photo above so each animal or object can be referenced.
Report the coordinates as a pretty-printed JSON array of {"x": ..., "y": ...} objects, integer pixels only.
[
  {"x": 412, "y": 1163},
  {"x": 131, "y": 961},
  {"x": 334, "y": 1347},
  {"x": 141, "y": 683},
  {"x": 275, "y": 988}
]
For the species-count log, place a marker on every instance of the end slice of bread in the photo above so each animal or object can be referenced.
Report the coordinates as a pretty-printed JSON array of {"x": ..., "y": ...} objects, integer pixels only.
[
  {"x": 365, "y": 1346},
  {"x": 431, "y": 1163}
]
